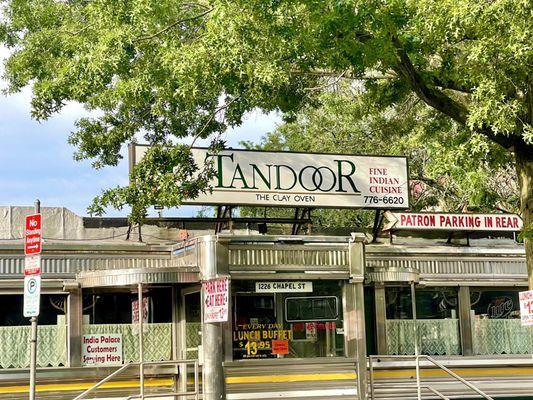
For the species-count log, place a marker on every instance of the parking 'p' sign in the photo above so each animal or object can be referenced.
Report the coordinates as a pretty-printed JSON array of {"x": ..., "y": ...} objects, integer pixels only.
[
  {"x": 33, "y": 235},
  {"x": 32, "y": 295}
]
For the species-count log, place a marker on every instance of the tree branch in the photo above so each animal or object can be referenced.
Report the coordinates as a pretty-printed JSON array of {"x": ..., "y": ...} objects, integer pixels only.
[
  {"x": 430, "y": 96},
  {"x": 445, "y": 104},
  {"x": 451, "y": 85},
  {"x": 328, "y": 84},
  {"x": 211, "y": 118},
  {"x": 371, "y": 75},
  {"x": 172, "y": 25}
]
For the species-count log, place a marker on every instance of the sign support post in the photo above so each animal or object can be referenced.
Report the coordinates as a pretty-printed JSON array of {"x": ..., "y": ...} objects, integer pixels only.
[
  {"x": 141, "y": 341},
  {"x": 33, "y": 337}
]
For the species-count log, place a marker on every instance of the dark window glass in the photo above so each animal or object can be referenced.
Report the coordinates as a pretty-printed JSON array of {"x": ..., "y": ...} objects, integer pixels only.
[
  {"x": 495, "y": 303},
  {"x": 301, "y": 309},
  {"x": 11, "y": 312},
  {"x": 287, "y": 324},
  {"x": 116, "y": 308}
]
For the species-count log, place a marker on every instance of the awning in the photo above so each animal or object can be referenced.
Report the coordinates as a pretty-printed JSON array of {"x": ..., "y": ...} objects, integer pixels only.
[{"x": 126, "y": 277}]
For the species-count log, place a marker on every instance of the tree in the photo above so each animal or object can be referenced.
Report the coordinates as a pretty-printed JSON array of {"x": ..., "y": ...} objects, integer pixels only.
[
  {"x": 451, "y": 169},
  {"x": 167, "y": 69}
]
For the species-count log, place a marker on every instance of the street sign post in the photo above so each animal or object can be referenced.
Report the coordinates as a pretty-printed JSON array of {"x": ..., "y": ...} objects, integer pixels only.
[{"x": 32, "y": 283}]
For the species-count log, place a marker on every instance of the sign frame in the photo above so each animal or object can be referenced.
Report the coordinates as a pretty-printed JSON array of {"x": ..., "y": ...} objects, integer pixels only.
[
  {"x": 33, "y": 240},
  {"x": 136, "y": 154},
  {"x": 119, "y": 351},
  {"x": 32, "y": 295},
  {"x": 215, "y": 313},
  {"x": 422, "y": 220},
  {"x": 32, "y": 265},
  {"x": 526, "y": 307},
  {"x": 270, "y": 287}
]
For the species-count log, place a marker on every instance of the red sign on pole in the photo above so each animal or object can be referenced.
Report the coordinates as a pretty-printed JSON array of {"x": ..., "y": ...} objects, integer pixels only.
[{"x": 32, "y": 243}]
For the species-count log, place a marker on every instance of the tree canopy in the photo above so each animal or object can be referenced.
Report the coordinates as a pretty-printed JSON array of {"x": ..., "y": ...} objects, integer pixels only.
[
  {"x": 166, "y": 69},
  {"x": 451, "y": 168}
]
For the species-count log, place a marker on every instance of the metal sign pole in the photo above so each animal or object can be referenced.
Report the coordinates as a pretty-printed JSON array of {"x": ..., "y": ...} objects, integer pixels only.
[
  {"x": 141, "y": 342},
  {"x": 417, "y": 344},
  {"x": 33, "y": 337}
]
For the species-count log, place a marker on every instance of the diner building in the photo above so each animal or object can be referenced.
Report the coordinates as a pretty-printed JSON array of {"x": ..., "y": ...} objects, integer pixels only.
[{"x": 304, "y": 312}]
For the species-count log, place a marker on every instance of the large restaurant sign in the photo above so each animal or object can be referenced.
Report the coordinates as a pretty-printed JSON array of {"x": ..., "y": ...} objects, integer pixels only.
[{"x": 260, "y": 178}]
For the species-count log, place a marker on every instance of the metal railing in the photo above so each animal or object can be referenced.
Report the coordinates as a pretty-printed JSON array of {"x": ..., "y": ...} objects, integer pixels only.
[
  {"x": 419, "y": 386},
  {"x": 142, "y": 395}
]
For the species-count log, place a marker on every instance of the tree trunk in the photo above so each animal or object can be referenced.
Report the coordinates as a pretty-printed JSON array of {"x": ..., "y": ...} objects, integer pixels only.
[{"x": 524, "y": 169}]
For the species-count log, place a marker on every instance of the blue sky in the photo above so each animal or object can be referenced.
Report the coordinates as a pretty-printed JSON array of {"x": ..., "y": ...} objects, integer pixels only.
[{"x": 36, "y": 160}]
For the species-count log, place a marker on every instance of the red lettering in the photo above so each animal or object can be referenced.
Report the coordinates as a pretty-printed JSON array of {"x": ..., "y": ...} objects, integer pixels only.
[{"x": 508, "y": 223}]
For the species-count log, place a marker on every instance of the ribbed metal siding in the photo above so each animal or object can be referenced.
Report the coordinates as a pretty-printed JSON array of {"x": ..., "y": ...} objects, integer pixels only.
[
  {"x": 460, "y": 266},
  {"x": 130, "y": 277},
  {"x": 289, "y": 257},
  {"x": 11, "y": 265},
  {"x": 69, "y": 265}
]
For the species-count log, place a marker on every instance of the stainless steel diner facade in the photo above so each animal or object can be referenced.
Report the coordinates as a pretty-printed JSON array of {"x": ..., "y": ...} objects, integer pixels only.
[{"x": 360, "y": 304}]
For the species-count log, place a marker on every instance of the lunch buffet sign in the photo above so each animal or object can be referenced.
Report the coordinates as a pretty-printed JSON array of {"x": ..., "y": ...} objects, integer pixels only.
[{"x": 286, "y": 179}]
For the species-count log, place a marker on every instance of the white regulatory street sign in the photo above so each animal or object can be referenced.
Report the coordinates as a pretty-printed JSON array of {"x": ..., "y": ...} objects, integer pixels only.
[
  {"x": 32, "y": 295},
  {"x": 32, "y": 265}
]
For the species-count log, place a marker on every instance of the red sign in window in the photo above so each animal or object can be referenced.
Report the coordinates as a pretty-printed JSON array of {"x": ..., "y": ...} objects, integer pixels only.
[
  {"x": 280, "y": 346},
  {"x": 32, "y": 243}
]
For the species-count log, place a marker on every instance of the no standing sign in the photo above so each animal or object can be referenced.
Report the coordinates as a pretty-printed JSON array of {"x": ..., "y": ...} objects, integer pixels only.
[
  {"x": 33, "y": 237},
  {"x": 32, "y": 265}
]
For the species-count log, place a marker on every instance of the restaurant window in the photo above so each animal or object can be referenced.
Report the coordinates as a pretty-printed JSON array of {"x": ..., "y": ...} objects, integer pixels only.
[
  {"x": 112, "y": 316},
  {"x": 496, "y": 322},
  {"x": 15, "y": 332},
  {"x": 437, "y": 323},
  {"x": 311, "y": 309},
  {"x": 287, "y": 319}
]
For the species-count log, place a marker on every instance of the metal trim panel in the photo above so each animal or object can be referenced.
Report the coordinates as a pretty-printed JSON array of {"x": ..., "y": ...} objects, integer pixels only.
[
  {"x": 289, "y": 258},
  {"x": 278, "y": 252},
  {"x": 392, "y": 274},
  {"x": 453, "y": 267},
  {"x": 302, "y": 394},
  {"x": 66, "y": 265},
  {"x": 135, "y": 276},
  {"x": 258, "y": 275}
]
